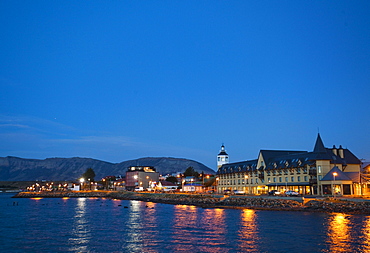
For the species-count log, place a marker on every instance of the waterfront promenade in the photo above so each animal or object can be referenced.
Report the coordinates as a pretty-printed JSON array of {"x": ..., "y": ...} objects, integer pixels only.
[{"x": 220, "y": 201}]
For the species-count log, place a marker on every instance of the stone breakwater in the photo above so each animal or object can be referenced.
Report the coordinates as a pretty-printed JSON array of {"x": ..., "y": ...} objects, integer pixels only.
[{"x": 220, "y": 201}]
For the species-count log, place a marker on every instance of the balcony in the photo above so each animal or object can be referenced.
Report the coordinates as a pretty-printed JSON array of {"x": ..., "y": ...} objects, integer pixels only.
[{"x": 312, "y": 172}]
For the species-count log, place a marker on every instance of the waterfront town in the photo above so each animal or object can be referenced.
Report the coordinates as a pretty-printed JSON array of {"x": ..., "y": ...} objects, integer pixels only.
[
  {"x": 320, "y": 172},
  {"x": 325, "y": 179}
]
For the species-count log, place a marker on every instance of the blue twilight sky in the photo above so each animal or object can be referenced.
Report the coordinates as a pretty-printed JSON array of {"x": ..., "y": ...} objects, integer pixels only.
[{"x": 119, "y": 80}]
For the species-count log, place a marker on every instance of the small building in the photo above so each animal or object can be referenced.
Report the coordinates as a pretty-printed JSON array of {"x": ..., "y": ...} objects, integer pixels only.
[
  {"x": 166, "y": 186},
  {"x": 193, "y": 187},
  {"x": 140, "y": 176}
]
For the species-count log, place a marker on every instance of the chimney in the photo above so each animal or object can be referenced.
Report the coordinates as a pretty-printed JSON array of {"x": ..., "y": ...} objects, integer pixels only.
[
  {"x": 341, "y": 153},
  {"x": 335, "y": 150}
]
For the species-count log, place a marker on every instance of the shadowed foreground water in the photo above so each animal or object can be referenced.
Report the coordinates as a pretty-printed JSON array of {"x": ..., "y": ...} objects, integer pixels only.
[{"x": 105, "y": 225}]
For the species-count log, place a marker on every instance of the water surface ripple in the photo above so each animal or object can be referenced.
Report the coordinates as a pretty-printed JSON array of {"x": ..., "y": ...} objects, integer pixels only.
[{"x": 105, "y": 225}]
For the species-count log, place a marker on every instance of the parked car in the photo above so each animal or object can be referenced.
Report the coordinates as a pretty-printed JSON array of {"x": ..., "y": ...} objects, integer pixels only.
[
  {"x": 227, "y": 192},
  {"x": 274, "y": 192},
  {"x": 291, "y": 193},
  {"x": 237, "y": 192}
]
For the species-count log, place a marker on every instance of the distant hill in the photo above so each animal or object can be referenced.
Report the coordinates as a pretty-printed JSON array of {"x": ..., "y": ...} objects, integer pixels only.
[{"x": 58, "y": 169}]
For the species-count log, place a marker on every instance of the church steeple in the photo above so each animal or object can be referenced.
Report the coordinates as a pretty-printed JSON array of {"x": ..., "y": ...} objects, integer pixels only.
[{"x": 222, "y": 157}]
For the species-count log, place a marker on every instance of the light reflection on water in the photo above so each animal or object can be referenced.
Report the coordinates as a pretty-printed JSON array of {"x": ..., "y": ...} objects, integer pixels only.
[
  {"x": 338, "y": 232},
  {"x": 134, "y": 238},
  {"x": 104, "y": 225},
  {"x": 248, "y": 234},
  {"x": 81, "y": 234},
  {"x": 366, "y": 234},
  {"x": 198, "y": 230}
]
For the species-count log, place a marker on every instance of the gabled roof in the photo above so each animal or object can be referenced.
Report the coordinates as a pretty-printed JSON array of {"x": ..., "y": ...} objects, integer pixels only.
[{"x": 340, "y": 175}]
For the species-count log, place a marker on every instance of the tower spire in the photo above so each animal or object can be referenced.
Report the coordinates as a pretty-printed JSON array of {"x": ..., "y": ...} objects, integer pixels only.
[{"x": 319, "y": 145}]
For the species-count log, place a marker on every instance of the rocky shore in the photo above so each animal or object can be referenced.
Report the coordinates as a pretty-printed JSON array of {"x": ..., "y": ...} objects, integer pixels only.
[{"x": 220, "y": 201}]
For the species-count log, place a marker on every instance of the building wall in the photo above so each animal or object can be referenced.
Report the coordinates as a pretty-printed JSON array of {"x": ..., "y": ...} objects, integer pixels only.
[
  {"x": 352, "y": 168},
  {"x": 140, "y": 179},
  {"x": 251, "y": 183}
]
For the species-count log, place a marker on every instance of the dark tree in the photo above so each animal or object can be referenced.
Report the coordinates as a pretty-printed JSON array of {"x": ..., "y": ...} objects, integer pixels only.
[
  {"x": 172, "y": 179},
  {"x": 191, "y": 172},
  {"x": 89, "y": 174}
]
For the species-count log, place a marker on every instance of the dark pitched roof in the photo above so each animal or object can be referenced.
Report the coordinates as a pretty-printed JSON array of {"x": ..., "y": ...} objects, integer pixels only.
[
  {"x": 270, "y": 155},
  {"x": 340, "y": 175},
  {"x": 350, "y": 158},
  {"x": 319, "y": 145},
  {"x": 320, "y": 152},
  {"x": 245, "y": 166},
  {"x": 167, "y": 183},
  {"x": 354, "y": 176}
]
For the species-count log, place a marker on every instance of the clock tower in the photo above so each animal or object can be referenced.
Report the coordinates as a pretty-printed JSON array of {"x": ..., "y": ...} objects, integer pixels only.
[{"x": 222, "y": 157}]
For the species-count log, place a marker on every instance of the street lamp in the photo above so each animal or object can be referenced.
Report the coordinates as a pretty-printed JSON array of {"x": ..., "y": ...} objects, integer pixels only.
[
  {"x": 82, "y": 180},
  {"x": 334, "y": 175},
  {"x": 217, "y": 184}
]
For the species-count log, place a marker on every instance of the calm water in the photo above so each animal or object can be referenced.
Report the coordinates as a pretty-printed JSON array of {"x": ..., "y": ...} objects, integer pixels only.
[{"x": 104, "y": 225}]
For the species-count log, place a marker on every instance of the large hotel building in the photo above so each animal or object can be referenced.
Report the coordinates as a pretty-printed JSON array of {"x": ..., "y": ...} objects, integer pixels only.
[{"x": 324, "y": 171}]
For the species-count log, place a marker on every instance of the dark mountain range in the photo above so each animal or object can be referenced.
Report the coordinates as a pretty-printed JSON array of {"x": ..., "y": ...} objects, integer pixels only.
[{"x": 20, "y": 169}]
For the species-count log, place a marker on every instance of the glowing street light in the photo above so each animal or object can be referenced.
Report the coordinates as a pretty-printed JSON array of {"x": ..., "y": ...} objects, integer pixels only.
[
  {"x": 82, "y": 180},
  {"x": 334, "y": 175}
]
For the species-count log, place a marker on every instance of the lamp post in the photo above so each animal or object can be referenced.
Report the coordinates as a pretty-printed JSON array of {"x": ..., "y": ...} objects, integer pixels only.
[
  {"x": 82, "y": 180},
  {"x": 217, "y": 179},
  {"x": 136, "y": 182},
  {"x": 334, "y": 175}
]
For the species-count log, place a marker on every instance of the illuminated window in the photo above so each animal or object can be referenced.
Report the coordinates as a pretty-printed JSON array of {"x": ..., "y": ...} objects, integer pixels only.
[{"x": 319, "y": 169}]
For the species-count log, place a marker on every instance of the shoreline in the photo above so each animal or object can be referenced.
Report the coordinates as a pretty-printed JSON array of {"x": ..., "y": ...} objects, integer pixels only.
[{"x": 219, "y": 201}]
